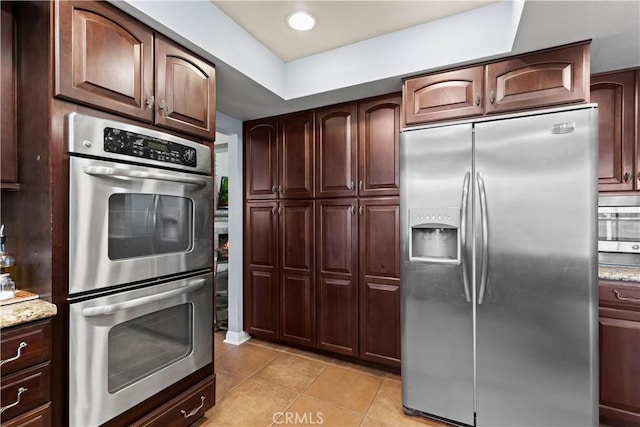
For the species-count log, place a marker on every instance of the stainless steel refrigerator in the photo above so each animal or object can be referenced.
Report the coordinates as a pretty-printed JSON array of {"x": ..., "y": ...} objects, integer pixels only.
[{"x": 499, "y": 269}]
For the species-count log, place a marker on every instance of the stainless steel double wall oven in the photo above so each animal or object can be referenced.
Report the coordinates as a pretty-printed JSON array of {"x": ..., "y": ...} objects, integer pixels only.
[{"x": 140, "y": 257}]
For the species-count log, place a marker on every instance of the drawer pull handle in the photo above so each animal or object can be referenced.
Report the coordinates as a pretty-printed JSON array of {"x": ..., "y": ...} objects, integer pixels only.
[
  {"x": 630, "y": 299},
  {"x": 195, "y": 411},
  {"x": 21, "y": 391},
  {"x": 18, "y": 354}
]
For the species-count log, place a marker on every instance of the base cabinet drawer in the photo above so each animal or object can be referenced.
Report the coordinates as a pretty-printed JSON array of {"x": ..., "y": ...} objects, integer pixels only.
[
  {"x": 25, "y": 390},
  {"x": 24, "y": 346},
  {"x": 183, "y": 409},
  {"x": 39, "y": 417}
]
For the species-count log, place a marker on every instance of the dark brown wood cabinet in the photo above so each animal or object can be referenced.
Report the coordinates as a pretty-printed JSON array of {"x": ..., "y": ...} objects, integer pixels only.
[
  {"x": 552, "y": 77},
  {"x": 336, "y": 152},
  {"x": 379, "y": 146},
  {"x": 619, "y": 333},
  {"x": 279, "y": 268},
  {"x": 26, "y": 374},
  {"x": 279, "y": 157},
  {"x": 539, "y": 79},
  {"x": 8, "y": 139},
  {"x": 105, "y": 58},
  {"x": 443, "y": 96},
  {"x": 337, "y": 275},
  {"x": 616, "y": 95},
  {"x": 379, "y": 283}
]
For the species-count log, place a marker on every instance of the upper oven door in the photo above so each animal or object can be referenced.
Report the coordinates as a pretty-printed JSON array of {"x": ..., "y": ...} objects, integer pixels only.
[{"x": 130, "y": 223}]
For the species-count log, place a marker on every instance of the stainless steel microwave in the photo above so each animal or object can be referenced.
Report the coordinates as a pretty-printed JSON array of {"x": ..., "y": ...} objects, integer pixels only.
[{"x": 619, "y": 229}]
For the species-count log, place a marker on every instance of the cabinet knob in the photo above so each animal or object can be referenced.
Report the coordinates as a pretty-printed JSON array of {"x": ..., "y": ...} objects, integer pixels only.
[
  {"x": 361, "y": 184},
  {"x": 361, "y": 210},
  {"x": 280, "y": 189},
  {"x": 351, "y": 185},
  {"x": 149, "y": 101},
  {"x": 273, "y": 189},
  {"x": 477, "y": 99},
  {"x": 352, "y": 210},
  {"x": 492, "y": 97},
  {"x": 627, "y": 176}
]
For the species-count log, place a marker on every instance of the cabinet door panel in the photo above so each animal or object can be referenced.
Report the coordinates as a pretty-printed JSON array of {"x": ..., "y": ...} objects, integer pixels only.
[
  {"x": 261, "y": 269},
  {"x": 555, "y": 77},
  {"x": 260, "y": 159},
  {"x": 297, "y": 281},
  {"x": 8, "y": 141},
  {"x": 379, "y": 146},
  {"x": 443, "y": 96},
  {"x": 185, "y": 91},
  {"x": 615, "y": 96},
  {"x": 619, "y": 366},
  {"x": 380, "y": 237},
  {"x": 380, "y": 320},
  {"x": 337, "y": 276},
  {"x": 104, "y": 58},
  {"x": 296, "y": 155},
  {"x": 336, "y": 138}
]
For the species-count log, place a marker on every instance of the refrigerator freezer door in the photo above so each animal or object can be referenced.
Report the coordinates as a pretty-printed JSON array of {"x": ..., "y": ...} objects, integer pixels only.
[
  {"x": 535, "y": 210},
  {"x": 437, "y": 313}
]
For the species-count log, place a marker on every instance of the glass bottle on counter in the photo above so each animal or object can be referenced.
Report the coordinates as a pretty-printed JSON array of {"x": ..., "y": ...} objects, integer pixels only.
[
  {"x": 7, "y": 287},
  {"x": 7, "y": 261}
]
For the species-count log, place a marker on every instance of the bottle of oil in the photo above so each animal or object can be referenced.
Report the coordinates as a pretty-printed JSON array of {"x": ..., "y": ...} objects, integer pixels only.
[{"x": 7, "y": 261}]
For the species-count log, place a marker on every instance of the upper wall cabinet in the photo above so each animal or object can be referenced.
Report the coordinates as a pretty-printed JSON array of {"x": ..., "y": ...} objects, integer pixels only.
[
  {"x": 549, "y": 77},
  {"x": 8, "y": 141},
  {"x": 105, "y": 59},
  {"x": 443, "y": 96},
  {"x": 615, "y": 94}
]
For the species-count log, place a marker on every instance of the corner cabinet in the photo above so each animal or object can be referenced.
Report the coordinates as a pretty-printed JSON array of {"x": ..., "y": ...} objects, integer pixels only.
[
  {"x": 105, "y": 59},
  {"x": 618, "y": 119},
  {"x": 619, "y": 331},
  {"x": 539, "y": 79}
]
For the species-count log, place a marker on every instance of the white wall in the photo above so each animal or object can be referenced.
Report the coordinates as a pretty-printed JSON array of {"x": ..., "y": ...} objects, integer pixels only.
[{"x": 232, "y": 128}]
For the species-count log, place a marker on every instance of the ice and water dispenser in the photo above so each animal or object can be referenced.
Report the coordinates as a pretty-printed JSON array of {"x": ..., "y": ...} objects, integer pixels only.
[{"x": 435, "y": 235}]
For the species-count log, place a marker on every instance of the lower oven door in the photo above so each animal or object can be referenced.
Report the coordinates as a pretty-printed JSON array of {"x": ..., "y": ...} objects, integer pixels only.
[{"x": 128, "y": 346}]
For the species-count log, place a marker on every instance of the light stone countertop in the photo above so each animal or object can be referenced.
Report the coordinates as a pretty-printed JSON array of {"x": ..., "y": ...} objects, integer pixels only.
[
  {"x": 24, "y": 312},
  {"x": 626, "y": 274}
]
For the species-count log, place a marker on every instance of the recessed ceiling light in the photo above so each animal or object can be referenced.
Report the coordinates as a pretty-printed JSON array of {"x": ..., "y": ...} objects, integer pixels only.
[{"x": 301, "y": 21}]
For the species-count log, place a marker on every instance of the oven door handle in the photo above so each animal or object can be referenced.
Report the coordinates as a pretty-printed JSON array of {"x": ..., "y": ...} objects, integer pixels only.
[
  {"x": 129, "y": 174},
  {"x": 112, "y": 308}
]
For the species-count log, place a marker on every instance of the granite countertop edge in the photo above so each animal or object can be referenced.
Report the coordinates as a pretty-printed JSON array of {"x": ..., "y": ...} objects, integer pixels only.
[
  {"x": 623, "y": 274},
  {"x": 25, "y": 312}
]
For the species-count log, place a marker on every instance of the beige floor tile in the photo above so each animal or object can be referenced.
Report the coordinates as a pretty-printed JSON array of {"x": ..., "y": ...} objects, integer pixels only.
[
  {"x": 311, "y": 412},
  {"x": 365, "y": 369},
  {"x": 345, "y": 388},
  {"x": 271, "y": 345},
  {"x": 292, "y": 372},
  {"x": 246, "y": 359},
  {"x": 393, "y": 376},
  {"x": 387, "y": 408},
  {"x": 225, "y": 382},
  {"x": 252, "y": 403},
  {"x": 370, "y": 422},
  {"x": 220, "y": 347},
  {"x": 205, "y": 421},
  {"x": 310, "y": 355}
]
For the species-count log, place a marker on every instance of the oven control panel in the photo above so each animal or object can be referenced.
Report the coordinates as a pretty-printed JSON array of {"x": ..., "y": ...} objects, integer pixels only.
[{"x": 147, "y": 147}]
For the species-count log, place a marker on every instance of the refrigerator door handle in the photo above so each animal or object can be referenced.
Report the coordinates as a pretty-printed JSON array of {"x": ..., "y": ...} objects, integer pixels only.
[
  {"x": 463, "y": 235},
  {"x": 485, "y": 236}
]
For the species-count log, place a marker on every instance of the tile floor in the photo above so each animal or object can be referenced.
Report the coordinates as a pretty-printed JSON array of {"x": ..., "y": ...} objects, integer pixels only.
[{"x": 265, "y": 384}]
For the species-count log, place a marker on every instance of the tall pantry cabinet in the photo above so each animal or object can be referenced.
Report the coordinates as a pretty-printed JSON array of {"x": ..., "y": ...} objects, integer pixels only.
[{"x": 332, "y": 281}]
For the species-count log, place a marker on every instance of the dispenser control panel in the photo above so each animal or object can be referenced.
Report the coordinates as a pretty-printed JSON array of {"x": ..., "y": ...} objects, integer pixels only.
[{"x": 435, "y": 235}]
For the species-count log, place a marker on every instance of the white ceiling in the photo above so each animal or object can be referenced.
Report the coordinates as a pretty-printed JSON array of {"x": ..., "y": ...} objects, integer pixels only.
[
  {"x": 260, "y": 70},
  {"x": 338, "y": 23}
]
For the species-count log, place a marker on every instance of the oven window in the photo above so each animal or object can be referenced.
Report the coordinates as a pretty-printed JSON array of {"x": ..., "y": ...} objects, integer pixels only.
[
  {"x": 149, "y": 224},
  {"x": 144, "y": 345}
]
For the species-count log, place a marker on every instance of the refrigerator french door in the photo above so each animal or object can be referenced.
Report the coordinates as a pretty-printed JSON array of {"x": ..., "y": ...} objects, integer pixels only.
[{"x": 499, "y": 270}]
